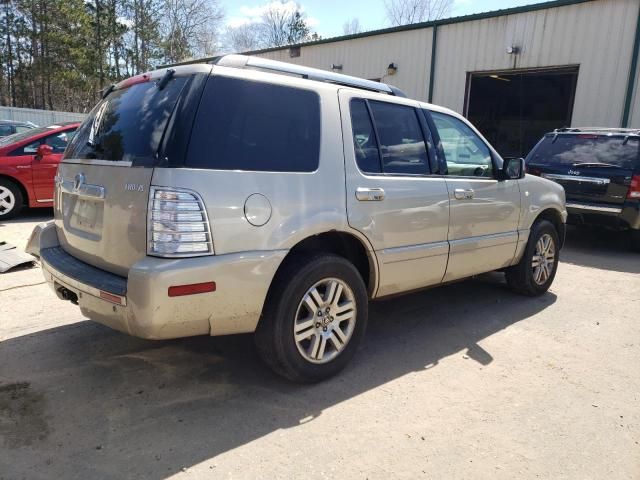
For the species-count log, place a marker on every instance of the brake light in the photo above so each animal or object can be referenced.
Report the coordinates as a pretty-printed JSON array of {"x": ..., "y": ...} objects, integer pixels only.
[
  {"x": 177, "y": 224},
  {"x": 634, "y": 189},
  {"x": 145, "y": 77}
]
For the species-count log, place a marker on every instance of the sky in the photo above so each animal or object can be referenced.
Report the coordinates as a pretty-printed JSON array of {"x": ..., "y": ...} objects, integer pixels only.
[{"x": 328, "y": 16}]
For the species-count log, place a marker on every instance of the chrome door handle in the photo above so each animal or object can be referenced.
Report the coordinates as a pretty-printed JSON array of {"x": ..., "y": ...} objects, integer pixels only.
[
  {"x": 370, "y": 194},
  {"x": 463, "y": 194}
]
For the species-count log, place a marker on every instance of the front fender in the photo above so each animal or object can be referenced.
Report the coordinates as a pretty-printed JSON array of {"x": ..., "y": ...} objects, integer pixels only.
[{"x": 537, "y": 196}]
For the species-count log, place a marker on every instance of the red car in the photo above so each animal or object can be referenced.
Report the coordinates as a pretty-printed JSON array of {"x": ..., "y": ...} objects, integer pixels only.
[{"x": 28, "y": 166}]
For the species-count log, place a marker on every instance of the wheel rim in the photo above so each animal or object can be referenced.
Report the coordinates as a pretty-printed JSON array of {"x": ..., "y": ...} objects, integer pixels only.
[
  {"x": 544, "y": 259},
  {"x": 7, "y": 200},
  {"x": 325, "y": 320}
]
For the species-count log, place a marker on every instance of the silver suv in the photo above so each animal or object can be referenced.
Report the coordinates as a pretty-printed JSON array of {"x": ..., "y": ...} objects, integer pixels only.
[{"x": 258, "y": 196}]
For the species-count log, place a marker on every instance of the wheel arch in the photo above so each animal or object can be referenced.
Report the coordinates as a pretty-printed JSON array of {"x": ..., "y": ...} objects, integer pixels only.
[
  {"x": 345, "y": 244},
  {"x": 554, "y": 216}
]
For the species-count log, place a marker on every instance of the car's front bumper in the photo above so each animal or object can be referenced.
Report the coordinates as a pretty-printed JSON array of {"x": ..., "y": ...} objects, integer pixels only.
[{"x": 140, "y": 305}]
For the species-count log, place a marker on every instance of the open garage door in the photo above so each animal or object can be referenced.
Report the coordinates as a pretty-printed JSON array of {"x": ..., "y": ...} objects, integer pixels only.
[{"x": 514, "y": 109}]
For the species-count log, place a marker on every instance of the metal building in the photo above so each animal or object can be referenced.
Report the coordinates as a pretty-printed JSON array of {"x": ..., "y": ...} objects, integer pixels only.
[{"x": 515, "y": 73}]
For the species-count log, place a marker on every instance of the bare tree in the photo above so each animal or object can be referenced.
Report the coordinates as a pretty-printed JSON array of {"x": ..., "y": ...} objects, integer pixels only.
[
  {"x": 284, "y": 23},
  {"x": 190, "y": 27},
  {"x": 405, "y": 12},
  {"x": 351, "y": 27},
  {"x": 243, "y": 38}
]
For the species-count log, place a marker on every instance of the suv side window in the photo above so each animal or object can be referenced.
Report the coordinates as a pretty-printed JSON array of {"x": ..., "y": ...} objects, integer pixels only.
[
  {"x": 466, "y": 154},
  {"x": 396, "y": 138},
  {"x": 255, "y": 126},
  {"x": 5, "y": 130},
  {"x": 364, "y": 138},
  {"x": 401, "y": 141}
]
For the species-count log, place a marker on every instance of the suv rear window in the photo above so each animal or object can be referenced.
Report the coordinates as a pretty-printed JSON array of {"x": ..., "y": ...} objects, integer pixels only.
[
  {"x": 128, "y": 125},
  {"x": 247, "y": 125},
  {"x": 585, "y": 148}
]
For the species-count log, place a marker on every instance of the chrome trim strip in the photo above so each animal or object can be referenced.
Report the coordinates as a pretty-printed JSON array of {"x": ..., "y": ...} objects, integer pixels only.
[
  {"x": 85, "y": 190},
  {"x": 594, "y": 208},
  {"x": 574, "y": 178},
  {"x": 413, "y": 252},
  {"x": 46, "y": 200}
]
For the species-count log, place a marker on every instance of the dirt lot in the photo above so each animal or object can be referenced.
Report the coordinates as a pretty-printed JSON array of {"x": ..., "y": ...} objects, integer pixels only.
[{"x": 466, "y": 381}]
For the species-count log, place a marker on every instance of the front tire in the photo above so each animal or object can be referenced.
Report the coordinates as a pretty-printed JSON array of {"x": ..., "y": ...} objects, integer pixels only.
[
  {"x": 535, "y": 272},
  {"x": 314, "y": 318},
  {"x": 11, "y": 200}
]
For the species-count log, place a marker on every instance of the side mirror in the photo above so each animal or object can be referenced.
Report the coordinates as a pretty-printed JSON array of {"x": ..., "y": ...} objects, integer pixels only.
[
  {"x": 43, "y": 151},
  {"x": 512, "y": 169}
]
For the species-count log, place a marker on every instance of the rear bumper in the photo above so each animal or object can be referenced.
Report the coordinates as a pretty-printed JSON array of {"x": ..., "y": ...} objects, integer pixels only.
[
  {"x": 624, "y": 216},
  {"x": 139, "y": 304}
]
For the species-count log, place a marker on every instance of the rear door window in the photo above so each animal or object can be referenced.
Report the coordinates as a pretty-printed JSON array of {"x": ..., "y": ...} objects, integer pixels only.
[
  {"x": 569, "y": 150},
  {"x": 401, "y": 141},
  {"x": 247, "y": 125},
  {"x": 391, "y": 142},
  {"x": 128, "y": 125},
  {"x": 5, "y": 130}
]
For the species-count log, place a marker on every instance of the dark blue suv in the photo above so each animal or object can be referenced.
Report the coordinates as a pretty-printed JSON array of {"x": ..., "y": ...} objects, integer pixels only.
[{"x": 600, "y": 171}]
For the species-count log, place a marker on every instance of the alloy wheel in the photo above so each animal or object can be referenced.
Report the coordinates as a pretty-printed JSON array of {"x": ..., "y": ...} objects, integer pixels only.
[
  {"x": 544, "y": 259},
  {"x": 325, "y": 320},
  {"x": 7, "y": 201}
]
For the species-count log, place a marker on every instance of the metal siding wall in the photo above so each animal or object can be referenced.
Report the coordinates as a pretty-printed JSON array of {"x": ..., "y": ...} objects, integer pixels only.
[
  {"x": 369, "y": 57},
  {"x": 596, "y": 35},
  {"x": 39, "y": 117}
]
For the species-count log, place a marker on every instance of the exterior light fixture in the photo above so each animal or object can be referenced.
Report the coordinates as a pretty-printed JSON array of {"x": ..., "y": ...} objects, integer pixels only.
[
  {"x": 392, "y": 69},
  {"x": 513, "y": 50},
  {"x": 336, "y": 66}
]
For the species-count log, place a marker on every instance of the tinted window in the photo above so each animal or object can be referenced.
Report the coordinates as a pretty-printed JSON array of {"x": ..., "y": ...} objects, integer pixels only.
[
  {"x": 575, "y": 149},
  {"x": 128, "y": 125},
  {"x": 5, "y": 130},
  {"x": 466, "y": 154},
  {"x": 364, "y": 138},
  {"x": 401, "y": 140},
  {"x": 244, "y": 125}
]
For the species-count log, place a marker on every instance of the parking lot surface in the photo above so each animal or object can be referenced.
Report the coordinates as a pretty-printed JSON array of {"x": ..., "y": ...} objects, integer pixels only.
[{"x": 463, "y": 381}]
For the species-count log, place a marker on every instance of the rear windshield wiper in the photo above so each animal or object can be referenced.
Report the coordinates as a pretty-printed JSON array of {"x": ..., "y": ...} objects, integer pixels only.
[{"x": 596, "y": 164}]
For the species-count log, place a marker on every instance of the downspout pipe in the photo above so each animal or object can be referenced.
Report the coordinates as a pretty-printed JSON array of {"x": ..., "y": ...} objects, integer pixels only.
[
  {"x": 631, "y": 84},
  {"x": 432, "y": 73}
]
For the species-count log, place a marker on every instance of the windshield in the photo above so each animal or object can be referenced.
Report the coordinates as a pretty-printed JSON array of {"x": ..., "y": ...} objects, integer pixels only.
[
  {"x": 582, "y": 148},
  {"x": 18, "y": 137},
  {"x": 128, "y": 125}
]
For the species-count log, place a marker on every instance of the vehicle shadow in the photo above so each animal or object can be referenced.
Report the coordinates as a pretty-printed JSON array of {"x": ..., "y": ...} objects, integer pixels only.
[
  {"x": 29, "y": 215},
  {"x": 600, "y": 248},
  {"x": 84, "y": 401}
]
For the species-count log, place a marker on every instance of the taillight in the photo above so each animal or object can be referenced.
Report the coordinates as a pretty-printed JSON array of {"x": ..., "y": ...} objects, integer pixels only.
[
  {"x": 634, "y": 189},
  {"x": 177, "y": 224}
]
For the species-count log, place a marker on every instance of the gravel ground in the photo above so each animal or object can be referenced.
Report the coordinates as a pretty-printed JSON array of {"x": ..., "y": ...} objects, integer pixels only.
[{"x": 464, "y": 381}]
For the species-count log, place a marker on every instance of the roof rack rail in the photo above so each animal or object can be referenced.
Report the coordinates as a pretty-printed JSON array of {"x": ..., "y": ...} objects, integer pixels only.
[
  {"x": 631, "y": 131},
  {"x": 273, "y": 66}
]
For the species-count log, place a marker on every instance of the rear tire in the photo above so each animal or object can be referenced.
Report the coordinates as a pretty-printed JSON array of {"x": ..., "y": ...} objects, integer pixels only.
[
  {"x": 11, "y": 201},
  {"x": 293, "y": 338},
  {"x": 635, "y": 240},
  {"x": 537, "y": 268}
]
